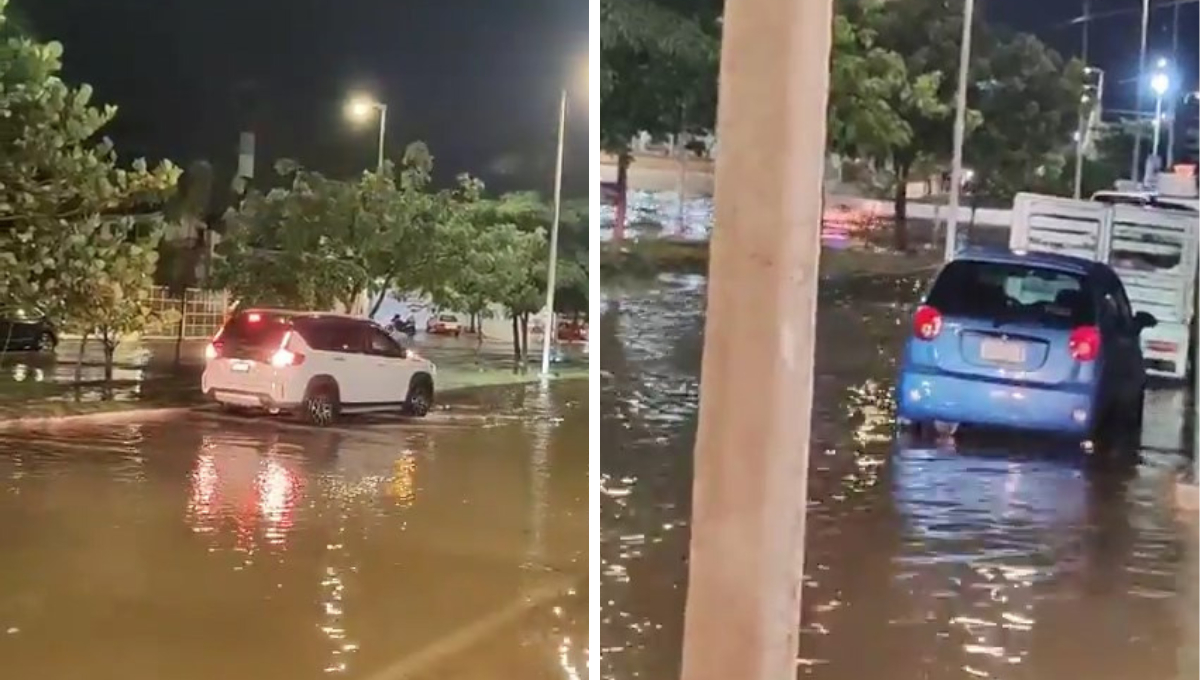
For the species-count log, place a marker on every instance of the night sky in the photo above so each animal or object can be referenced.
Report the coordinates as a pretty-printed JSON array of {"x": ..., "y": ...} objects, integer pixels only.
[
  {"x": 1114, "y": 39},
  {"x": 478, "y": 80}
]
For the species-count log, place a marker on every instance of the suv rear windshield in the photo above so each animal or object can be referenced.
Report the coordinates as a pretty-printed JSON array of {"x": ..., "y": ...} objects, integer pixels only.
[
  {"x": 1005, "y": 293},
  {"x": 256, "y": 329}
]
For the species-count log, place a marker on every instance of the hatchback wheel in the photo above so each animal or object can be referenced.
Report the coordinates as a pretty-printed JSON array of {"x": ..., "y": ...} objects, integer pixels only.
[{"x": 320, "y": 407}]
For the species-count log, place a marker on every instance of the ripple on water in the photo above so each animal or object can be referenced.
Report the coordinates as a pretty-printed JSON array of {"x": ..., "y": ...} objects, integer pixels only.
[{"x": 921, "y": 562}]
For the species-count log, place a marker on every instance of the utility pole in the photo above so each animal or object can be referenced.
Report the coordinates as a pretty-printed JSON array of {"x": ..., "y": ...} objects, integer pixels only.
[{"x": 751, "y": 464}]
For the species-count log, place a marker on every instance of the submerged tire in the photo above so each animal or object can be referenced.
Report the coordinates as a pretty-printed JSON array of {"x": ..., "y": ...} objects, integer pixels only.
[
  {"x": 420, "y": 397},
  {"x": 320, "y": 406}
]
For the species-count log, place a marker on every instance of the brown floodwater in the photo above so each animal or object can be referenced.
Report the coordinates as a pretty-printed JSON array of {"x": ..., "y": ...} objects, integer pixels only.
[
  {"x": 986, "y": 559},
  {"x": 207, "y": 547}
]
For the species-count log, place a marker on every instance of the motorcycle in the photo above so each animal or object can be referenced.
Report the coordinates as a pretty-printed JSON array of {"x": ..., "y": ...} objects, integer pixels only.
[{"x": 404, "y": 327}]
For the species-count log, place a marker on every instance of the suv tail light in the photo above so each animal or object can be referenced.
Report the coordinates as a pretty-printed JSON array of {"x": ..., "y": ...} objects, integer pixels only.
[
  {"x": 1084, "y": 343},
  {"x": 927, "y": 322},
  {"x": 214, "y": 348},
  {"x": 283, "y": 357}
]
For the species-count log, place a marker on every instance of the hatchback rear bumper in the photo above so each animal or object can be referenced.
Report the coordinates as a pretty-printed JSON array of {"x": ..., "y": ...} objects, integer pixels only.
[{"x": 927, "y": 396}]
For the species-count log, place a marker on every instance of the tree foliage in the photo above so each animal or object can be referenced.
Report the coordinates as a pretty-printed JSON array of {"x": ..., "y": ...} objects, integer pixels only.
[
  {"x": 78, "y": 232},
  {"x": 319, "y": 243}
]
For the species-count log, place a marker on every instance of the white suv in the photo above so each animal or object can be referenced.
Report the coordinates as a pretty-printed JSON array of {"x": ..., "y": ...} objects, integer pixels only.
[{"x": 315, "y": 365}]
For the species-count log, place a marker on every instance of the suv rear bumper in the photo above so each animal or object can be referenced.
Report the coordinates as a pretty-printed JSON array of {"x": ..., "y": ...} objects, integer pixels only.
[
  {"x": 925, "y": 397},
  {"x": 247, "y": 399}
]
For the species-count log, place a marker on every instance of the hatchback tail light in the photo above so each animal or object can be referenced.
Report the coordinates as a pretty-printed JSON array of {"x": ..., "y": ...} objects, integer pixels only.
[
  {"x": 927, "y": 322},
  {"x": 1084, "y": 343}
]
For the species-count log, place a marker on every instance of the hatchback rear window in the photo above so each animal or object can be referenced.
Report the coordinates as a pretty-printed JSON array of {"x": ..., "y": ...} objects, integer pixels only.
[
  {"x": 1006, "y": 293},
  {"x": 256, "y": 329}
]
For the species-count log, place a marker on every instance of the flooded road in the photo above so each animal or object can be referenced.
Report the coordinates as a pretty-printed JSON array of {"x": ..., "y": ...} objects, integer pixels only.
[
  {"x": 992, "y": 560},
  {"x": 209, "y": 547}
]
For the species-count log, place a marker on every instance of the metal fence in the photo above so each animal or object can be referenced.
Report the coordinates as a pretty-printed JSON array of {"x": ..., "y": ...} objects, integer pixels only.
[{"x": 203, "y": 312}]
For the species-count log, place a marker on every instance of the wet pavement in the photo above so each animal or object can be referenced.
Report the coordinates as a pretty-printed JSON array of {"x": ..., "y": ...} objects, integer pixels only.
[
  {"x": 208, "y": 547},
  {"x": 985, "y": 559}
]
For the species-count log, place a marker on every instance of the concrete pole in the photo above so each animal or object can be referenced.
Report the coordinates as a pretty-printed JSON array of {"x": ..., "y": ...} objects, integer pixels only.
[
  {"x": 751, "y": 463},
  {"x": 960, "y": 128},
  {"x": 548, "y": 329}
]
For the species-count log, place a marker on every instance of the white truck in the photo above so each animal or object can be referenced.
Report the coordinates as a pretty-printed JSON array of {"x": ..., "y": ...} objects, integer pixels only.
[{"x": 1152, "y": 246}]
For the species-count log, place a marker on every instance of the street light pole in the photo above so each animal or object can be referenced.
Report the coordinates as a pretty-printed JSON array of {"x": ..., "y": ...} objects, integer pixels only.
[
  {"x": 548, "y": 329},
  {"x": 1161, "y": 84},
  {"x": 1134, "y": 174},
  {"x": 382, "y": 129},
  {"x": 960, "y": 129}
]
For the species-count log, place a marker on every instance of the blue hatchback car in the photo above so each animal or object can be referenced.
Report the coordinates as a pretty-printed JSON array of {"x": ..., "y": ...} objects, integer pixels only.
[{"x": 1028, "y": 341}]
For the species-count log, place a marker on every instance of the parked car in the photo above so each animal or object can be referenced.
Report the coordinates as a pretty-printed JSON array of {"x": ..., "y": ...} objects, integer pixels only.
[
  {"x": 26, "y": 330},
  {"x": 443, "y": 324},
  {"x": 572, "y": 331},
  {"x": 1028, "y": 341},
  {"x": 317, "y": 366}
]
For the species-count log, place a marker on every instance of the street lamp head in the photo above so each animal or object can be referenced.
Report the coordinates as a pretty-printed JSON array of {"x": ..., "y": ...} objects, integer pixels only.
[
  {"x": 1162, "y": 62},
  {"x": 1160, "y": 83},
  {"x": 359, "y": 108}
]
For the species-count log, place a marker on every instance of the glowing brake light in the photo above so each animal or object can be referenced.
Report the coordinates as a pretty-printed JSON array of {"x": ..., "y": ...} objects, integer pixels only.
[
  {"x": 927, "y": 322},
  {"x": 254, "y": 317},
  {"x": 214, "y": 348},
  {"x": 1084, "y": 343},
  {"x": 283, "y": 357}
]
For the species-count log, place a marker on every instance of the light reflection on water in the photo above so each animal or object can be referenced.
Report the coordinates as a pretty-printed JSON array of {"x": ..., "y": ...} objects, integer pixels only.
[
  {"x": 245, "y": 550},
  {"x": 921, "y": 561}
]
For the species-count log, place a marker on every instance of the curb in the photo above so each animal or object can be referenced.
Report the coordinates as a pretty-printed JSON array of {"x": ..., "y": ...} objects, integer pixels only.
[
  {"x": 153, "y": 412},
  {"x": 101, "y": 417}
]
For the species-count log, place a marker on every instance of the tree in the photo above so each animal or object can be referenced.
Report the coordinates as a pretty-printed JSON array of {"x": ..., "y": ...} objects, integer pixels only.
[
  {"x": 658, "y": 75},
  {"x": 112, "y": 300},
  {"x": 77, "y": 231},
  {"x": 297, "y": 246},
  {"x": 1029, "y": 99},
  {"x": 489, "y": 258}
]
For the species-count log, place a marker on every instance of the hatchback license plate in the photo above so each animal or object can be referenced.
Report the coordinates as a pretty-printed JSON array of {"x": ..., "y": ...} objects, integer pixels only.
[
  {"x": 240, "y": 367},
  {"x": 1002, "y": 351}
]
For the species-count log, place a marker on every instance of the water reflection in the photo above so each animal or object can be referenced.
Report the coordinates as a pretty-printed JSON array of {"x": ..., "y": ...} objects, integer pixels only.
[
  {"x": 246, "y": 550},
  {"x": 987, "y": 558}
]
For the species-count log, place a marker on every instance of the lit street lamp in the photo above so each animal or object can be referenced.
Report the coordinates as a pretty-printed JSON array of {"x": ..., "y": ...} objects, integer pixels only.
[{"x": 360, "y": 109}]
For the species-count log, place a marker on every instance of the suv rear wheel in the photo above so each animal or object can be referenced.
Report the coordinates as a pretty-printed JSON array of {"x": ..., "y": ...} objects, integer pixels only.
[
  {"x": 321, "y": 405},
  {"x": 420, "y": 398}
]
